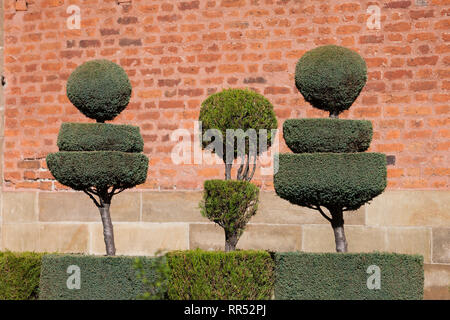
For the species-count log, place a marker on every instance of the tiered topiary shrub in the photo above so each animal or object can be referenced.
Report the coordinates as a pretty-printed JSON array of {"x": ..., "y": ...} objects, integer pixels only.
[
  {"x": 233, "y": 119},
  {"x": 99, "y": 159},
  {"x": 329, "y": 168}
]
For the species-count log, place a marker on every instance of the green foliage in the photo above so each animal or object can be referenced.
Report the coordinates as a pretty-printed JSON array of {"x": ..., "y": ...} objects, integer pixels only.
[
  {"x": 81, "y": 170},
  {"x": 237, "y": 275},
  {"x": 331, "y": 77},
  {"x": 327, "y": 135},
  {"x": 100, "y": 89},
  {"x": 343, "y": 276},
  {"x": 238, "y": 109},
  {"x": 155, "y": 286},
  {"x": 229, "y": 203},
  {"x": 102, "y": 278},
  {"x": 19, "y": 275},
  {"x": 332, "y": 180},
  {"x": 99, "y": 137}
]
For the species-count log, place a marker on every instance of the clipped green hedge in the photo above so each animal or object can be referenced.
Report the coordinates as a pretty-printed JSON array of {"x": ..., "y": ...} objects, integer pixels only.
[
  {"x": 19, "y": 275},
  {"x": 100, "y": 89},
  {"x": 99, "y": 137},
  {"x": 337, "y": 276},
  {"x": 331, "y": 77},
  {"x": 238, "y": 275},
  {"x": 345, "y": 180},
  {"x": 83, "y": 169},
  {"x": 102, "y": 278},
  {"x": 327, "y": 135}
]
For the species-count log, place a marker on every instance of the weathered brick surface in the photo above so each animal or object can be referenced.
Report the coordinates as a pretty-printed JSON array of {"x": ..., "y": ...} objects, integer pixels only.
[{"x": 178, "y": 52}]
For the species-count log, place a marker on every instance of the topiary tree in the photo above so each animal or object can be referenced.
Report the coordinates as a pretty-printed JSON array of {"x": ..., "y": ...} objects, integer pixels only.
[
  {"x": 329, "y": 168},
  {"x": 230, "y": 116},
  {"x": 100, "y": 159},
  {"x": 236, "y": 115}
]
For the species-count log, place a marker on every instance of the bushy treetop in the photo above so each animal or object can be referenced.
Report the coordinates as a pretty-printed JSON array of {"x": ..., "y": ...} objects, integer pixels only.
[
  {"x": 238, "y": 109},
  {"x": 331, "y": 77},
  {"x": 100, "y": 89}
]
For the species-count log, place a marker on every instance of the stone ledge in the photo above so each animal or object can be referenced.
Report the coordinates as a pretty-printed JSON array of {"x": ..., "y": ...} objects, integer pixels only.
[
  {"x": 209, "y": 236},
  {"x": 141, "y": 238},
  {"x": 441, "y": 245},
  {"x": 410, "y": 208},
  {"x": 77, "y": 207},
  {"x": 437, "y": 282}
]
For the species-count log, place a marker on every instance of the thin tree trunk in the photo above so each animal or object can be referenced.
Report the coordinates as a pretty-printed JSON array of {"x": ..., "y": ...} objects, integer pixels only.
[
  {"x": 337, "y": 223},
  {"x": 231, "y": 240},
  {"x": 228, "y": 171},
  {"x": 108, "y": 232}
]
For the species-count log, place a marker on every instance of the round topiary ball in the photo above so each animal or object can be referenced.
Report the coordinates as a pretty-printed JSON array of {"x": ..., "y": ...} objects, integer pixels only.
[
  {"x": 100, "y": 89},
  {"x": 331, "y": 77},
  {"x": 237, "y": 109}
]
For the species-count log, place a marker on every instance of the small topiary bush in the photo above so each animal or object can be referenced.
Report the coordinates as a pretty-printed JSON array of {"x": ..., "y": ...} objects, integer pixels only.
[
  {"x": 230, "y": 204},
  {"x": 327, "y": 135},
  {"x": 331, "y": 77},
  {"x": 100, "y": 89},
  {"x": 238, "y": 275},
  {"x": 343, "y": 180},
  {"x": 238, "y": 109},
  {"x": 19, "y": 275},
  {"x": 102, "y": 278},
  {"x": 332, "y": 276},
  {"x": 99, "y": 137}
]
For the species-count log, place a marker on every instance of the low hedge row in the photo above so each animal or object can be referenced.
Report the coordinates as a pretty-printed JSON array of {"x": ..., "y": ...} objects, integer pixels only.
[
  {"x": 236, "y": 275},
  {"x": 202, "y": 275},
  {"x": 337, "y": 276},
  {"x": 19, "y": 275},
  {"x": 101, "y": 277}
]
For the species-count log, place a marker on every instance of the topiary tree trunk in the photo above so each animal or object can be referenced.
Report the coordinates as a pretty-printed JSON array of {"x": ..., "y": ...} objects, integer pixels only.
[
  {"x": 99, "y": 159},
  {"x": 231, "y": 240},
  {"x": 103, "y": 204},
  {"x": 329, "y": 167},
  {"x": 337, "y": 223}
]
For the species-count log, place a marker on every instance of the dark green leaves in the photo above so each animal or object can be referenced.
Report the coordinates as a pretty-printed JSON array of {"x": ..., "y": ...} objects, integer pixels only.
[
  {"x": 100, "y": 89},
  {"x": 331, "y": 77},
  {"x": 332, "y": 180},
  {"x": 327, "y": 135},
  {"x": 82, "y": 170},
  {"x": 99, "y": 137}
]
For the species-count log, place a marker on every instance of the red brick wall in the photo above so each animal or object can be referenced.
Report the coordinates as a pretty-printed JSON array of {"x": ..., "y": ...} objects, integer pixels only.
[{"x": 176, "y": 53}]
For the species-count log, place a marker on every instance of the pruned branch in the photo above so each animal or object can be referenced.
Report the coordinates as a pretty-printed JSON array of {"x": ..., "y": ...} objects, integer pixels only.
[
  {"x": 318, "y": 208},
  {"x": 92, "y": 197}
]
